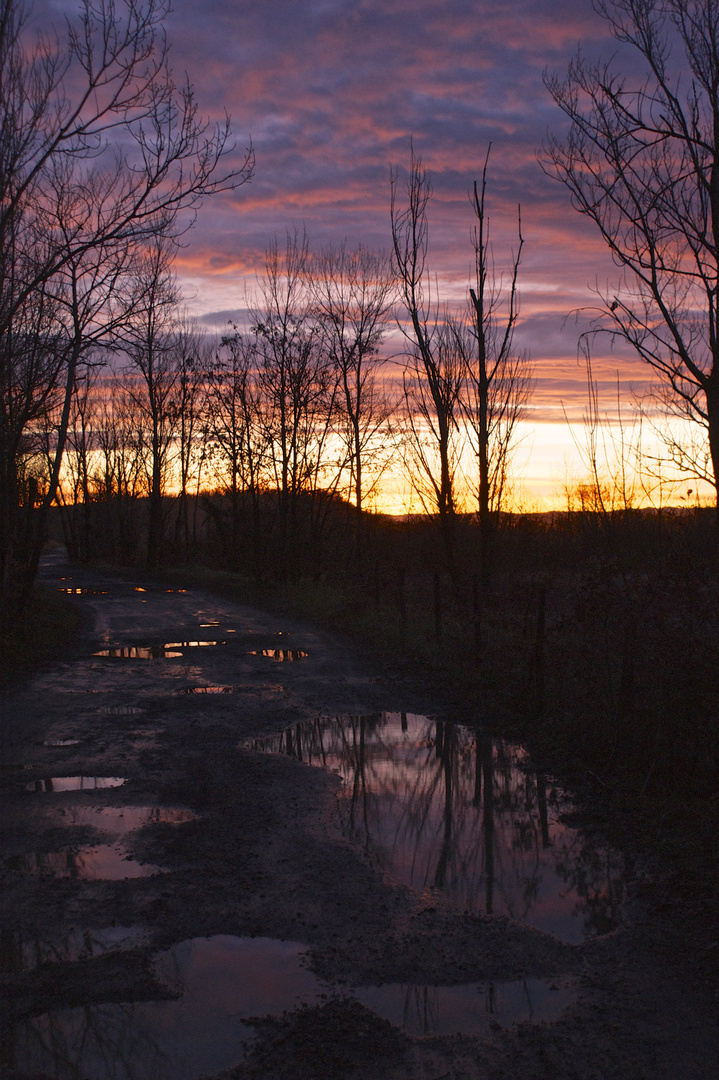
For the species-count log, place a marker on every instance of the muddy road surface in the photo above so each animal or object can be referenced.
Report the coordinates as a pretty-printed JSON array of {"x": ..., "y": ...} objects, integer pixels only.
[{"x": 184, "y": 898}]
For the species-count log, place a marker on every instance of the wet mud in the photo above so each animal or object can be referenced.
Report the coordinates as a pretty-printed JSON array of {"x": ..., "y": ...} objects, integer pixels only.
[{"x": 274, "y": 919}]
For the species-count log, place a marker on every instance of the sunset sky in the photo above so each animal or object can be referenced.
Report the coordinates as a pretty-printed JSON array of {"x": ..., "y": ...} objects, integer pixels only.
[{"x": 332, "y": 91}]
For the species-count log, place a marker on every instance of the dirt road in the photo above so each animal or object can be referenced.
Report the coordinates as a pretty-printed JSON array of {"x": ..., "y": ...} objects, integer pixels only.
[{"x": 137, "y": 824}]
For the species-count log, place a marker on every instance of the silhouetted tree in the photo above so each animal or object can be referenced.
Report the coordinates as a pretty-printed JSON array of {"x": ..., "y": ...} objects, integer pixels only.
[
  {"x": 352, "y": 292},
  {"x": 498, "y": 379},
  {"x": 434, "y": 372},
  {"x": 640, "y": 160}
]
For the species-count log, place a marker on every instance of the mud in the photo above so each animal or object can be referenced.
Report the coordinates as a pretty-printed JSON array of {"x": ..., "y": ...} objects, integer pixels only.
[{"x": 251, "y": 845}]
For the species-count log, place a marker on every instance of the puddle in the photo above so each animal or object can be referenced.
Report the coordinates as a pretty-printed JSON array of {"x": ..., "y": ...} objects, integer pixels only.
[
  {"x": 76, "y": 783},
  {"x": 192, "y": 644},
  {"x": 437, "y": 807},
  {"x": 138, "y": 588},
  {"x": 472, "y": 1009},
  {"x": 225, "y": 980},
  {"x": 222, "y": 980},
  {"x": 61, "y": 742},
  {"x": 20, "y": 952},
  {"x": 207, "y": 625},
  {"x": 123, "y": 819},
  {"x": 98, "y": 862},
  {"x": 207, "y": 690},
  {"x": 83, "y": 592},
  {"x": 121, "y": 710},
  {"x": 280, "y": 654},
  {"x": 138, "y": 652}
]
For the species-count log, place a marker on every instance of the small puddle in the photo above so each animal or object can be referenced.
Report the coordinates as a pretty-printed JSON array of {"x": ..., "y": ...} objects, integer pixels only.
[
  {"x": 225, "y": 980},
  {"x": 21, "y": 952},
  {"x": 193, "y": 644},
  {"x": 139, "y": 652},
  {"x": 98, "y": 862},
  {"x": 121, "y": 710},
  {"x": 61, "y": 742},
  {"x": 472, "y": 1009},
  {"x": 207, "y": 690},
  {"x": 83, "y": 592},
  {"x": 438, "y": 807},
  {"x": 76, "y": 783},
  {"x": 281, "y": 655},
  {"x": 123, "y": 819}
]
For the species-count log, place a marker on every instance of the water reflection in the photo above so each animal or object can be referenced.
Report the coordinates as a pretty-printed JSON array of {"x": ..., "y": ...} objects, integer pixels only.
[
  {"x": 281, "y": 655},
  {"x": 207, "y": 690},
  {"x": 76, "y": 783},
  {"x": 99, "y": 862},
  {"x": 470, "y": 1009},
  {"x": 22, "y": 952},
  {"x": 123, "y": 819},
  {"x": 138, "y": 652},
  {"x": 222, "y": 981},
  {"x": 439, "y": 806},
  {"x": 84, "y": 592}
]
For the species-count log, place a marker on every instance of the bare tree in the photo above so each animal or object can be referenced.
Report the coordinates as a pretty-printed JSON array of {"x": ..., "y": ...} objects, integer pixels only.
[
  {"x": 641, "y": 161},
  {"x": 434, "y": 373},
  {"x": 190, "y": 353},
  {"x": 237, "y": 431},
  {"x": 149, "y": 344},
  {"x": 297, "y": 386},
  {"x": 99, "y": 152},
  {"x": 352, "y": 292},
  {"x": 499, "y": 379}
]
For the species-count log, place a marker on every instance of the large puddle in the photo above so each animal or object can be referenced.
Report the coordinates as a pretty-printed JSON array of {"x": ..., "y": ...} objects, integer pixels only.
[
  {"x": 438, "y": 807},
  {"x": 222, "y": 982}
]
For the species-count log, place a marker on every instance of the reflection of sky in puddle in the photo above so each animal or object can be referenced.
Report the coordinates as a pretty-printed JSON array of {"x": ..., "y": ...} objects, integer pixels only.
[
  {"x": 207, "y": 690},
  {"x": 281, "y": 655},
  {"x": 21, "y": 952},
  {"x": 123, "y": 819},
  {"x": 153, "y": 652},
  {"x": 224, "y": 980},
  {"x": 99, "y": 862},
  {"x": 437, "y": 806},
  {"x": 120, "y": 710},
  {"x": 471, "y": 1009},
  {"x": 76, "y": 783},
  {"x": 138, "y": 652},
  {"x": 83, "y": 592},
  {"x": 61, "y": 742}
]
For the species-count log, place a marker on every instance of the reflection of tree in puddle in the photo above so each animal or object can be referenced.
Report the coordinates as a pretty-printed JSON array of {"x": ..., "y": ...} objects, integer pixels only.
[
  {"x": 439, "y": 806},
  {"x": 105, "y": 1041},
  {"x": 23, "y": 952},
  {"x": 472, "y": 1008}
]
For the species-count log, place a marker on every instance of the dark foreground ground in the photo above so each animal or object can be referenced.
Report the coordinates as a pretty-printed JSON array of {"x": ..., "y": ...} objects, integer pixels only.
[{"x": 265, "y": 857}]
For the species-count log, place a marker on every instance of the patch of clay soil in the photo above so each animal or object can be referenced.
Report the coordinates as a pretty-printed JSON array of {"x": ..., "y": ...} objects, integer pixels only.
[{"x": 265, "y": 856}]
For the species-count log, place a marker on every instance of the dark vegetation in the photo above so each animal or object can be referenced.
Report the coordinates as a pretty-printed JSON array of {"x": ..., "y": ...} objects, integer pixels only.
[{"x": 41, "y": 633}]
